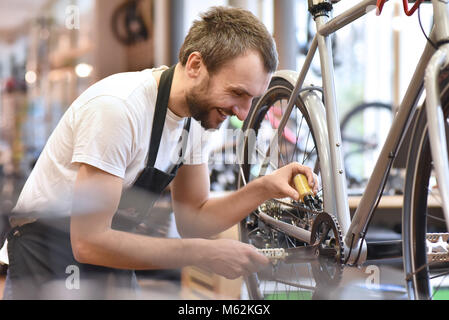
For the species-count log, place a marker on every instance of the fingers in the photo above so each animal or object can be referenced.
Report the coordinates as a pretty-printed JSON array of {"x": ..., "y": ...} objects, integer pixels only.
[
  {"x": 312, "y": 178},
  {"x": 316, "y": 185},
  {"x": 253, "y": 263},
  {"x": 313, "y": 182},
  {"x": 259, "y": 258},
  {"x": 256, "y": 262},
  {"x": 235, "y": 259},
  {"x": 291, "y": 192}
]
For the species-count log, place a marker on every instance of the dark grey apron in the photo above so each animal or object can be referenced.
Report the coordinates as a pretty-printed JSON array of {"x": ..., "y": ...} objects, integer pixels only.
[
  {"x": 42, "y": 265},
  {"x": 136, "y": 201}
]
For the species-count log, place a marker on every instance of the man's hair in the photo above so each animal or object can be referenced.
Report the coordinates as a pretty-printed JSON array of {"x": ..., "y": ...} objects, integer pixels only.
[{"x": 224, "y": 33}]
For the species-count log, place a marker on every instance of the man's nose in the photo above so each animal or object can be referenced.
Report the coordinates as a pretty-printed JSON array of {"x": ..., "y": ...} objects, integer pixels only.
[{"x": 241, "y": 111}]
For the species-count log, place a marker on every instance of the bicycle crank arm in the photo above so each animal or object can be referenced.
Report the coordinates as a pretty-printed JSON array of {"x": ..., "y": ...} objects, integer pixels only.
[{"x": 302, "y": 254}]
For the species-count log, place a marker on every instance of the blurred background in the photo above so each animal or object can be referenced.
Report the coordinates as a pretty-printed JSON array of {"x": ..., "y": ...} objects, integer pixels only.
[{"x": 52, "y": 50}]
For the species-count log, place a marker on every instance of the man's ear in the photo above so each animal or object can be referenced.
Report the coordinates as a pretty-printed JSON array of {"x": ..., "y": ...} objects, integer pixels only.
[{"x": 194, "y": 65}]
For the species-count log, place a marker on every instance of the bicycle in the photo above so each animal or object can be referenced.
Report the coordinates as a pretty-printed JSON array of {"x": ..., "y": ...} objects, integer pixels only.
[{"x": 317, "y": 234}]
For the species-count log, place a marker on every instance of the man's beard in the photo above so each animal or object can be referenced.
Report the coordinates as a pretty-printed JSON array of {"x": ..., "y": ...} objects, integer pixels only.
[{"x": 200, "y": 107}]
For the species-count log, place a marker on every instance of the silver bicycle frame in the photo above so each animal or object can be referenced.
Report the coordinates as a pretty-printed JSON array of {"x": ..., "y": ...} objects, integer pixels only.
[
  {"x": 435, "y": 118},
  {"x": 428, "y": 67}
]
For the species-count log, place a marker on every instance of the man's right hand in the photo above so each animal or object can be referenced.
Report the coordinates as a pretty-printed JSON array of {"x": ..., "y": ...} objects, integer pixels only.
[{"x": 230, "y": 258}]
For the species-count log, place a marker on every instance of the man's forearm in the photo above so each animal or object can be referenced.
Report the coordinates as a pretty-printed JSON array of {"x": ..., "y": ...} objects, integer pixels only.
[
  {"x": 219, "y": 214},
  {"x": 123, "y": 250}
]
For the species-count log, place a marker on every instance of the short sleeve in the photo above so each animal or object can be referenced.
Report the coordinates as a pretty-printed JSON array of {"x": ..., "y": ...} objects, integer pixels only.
[{"x": 103, "y": 135}]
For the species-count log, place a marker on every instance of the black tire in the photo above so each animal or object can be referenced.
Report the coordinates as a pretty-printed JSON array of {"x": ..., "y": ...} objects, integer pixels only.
[
  {"x": 284, "y": 281},
  {"x": 420, "y": 217}
]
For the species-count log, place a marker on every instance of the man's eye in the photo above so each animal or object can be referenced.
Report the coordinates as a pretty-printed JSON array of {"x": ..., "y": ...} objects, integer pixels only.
[{"x": 238, "y": 93}]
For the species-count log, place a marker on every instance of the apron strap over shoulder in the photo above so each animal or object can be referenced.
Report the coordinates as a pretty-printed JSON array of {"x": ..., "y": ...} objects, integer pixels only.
[{"x": 160, "y": 112}]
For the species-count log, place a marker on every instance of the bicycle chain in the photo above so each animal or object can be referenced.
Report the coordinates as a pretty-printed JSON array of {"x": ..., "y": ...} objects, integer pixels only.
[{"x": 321, "y": 217}]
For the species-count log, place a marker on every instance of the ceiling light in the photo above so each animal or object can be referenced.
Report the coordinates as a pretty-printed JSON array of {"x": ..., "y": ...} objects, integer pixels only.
[
  {"x": 30, "y": 77},
  {"x": 83, "y": 70}
]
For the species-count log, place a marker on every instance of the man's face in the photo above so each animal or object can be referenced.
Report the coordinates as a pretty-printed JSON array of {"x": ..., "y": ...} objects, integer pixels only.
[{"x": 229, "y": 91}]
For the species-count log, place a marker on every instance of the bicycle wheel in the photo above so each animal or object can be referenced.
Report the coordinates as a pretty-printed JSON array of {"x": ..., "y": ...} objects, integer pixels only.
[
  {"x": 363, "y": 132},
  {"x": 425, "y": 236},
  {"x": 283, "y": 280}
]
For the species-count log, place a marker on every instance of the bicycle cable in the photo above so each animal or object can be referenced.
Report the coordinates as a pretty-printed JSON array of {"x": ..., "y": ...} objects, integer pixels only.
[
  {"x": 424, "y": 32},
  {"x": 350, "y": 249},
  {"x": 379, "y": 197}
]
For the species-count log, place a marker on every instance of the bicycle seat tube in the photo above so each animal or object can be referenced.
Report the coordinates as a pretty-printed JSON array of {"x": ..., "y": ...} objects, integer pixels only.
[{"x": 321, "y": 10}]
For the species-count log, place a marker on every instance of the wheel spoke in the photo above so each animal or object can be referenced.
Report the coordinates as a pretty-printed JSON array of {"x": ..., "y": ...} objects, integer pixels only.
[
  {"x": 305, "y": 149},
  {"x": 297, "y": 137}
]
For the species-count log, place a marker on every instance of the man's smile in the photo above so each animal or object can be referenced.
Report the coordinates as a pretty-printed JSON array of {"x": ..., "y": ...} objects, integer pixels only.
[{"x": 222, "y": 113}]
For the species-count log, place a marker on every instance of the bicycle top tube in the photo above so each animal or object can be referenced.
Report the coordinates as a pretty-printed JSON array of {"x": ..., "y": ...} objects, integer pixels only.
[{"x": 380, "y": 4}]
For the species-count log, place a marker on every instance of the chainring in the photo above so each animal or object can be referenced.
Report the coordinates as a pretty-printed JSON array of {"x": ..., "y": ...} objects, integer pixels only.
[{"x": 327, "y": 232}]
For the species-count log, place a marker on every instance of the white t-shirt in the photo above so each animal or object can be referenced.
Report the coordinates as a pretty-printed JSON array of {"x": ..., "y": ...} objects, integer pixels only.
[{"x": 108, "y": 127}]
